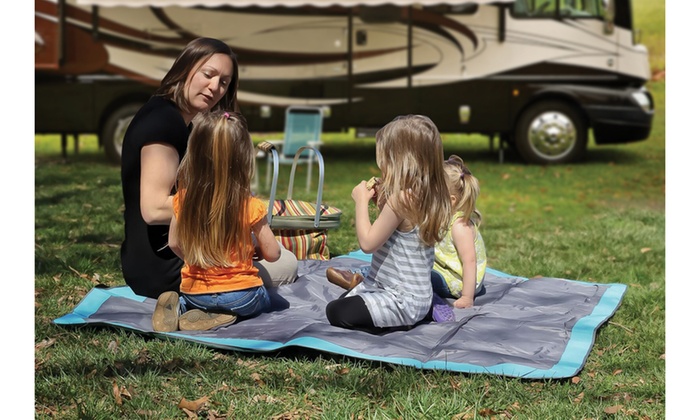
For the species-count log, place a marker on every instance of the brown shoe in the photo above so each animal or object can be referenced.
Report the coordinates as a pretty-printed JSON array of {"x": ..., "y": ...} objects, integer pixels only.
[
  {"x": 165, "y": 314},
  {"x": 343, "y": 278},
  {"x": 198, "y": 320}
]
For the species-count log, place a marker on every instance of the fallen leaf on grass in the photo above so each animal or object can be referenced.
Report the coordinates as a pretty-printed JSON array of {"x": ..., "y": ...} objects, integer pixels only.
[
  {"x": 193, "y": 406},
  {"x": 617, "y": 372},
  {"x": 575, "y": 379},
  {"x": 249, "y": 364},
  {"x": 468, "y": 414},
  {"x": 44, "y": 344},
  {"x": 265, "y": 398},
  {"x": 257, "y": 379},
  {"x": 612, "y": 409},
  {"x": 120, "y": 393},
  {"x": 213, "y": 415},
  {"x": 189, "y": 413},
  {"x": 579, "y": 398},
  {"x": 78, "y": 273},
  {"x": 487, "y": 412},
  {"x": 644, "y": 250},
  {"x": 113, "y": 346}
]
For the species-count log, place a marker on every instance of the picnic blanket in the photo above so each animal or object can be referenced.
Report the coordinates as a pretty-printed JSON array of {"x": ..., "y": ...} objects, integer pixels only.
[{"x": 519, "y": 327}]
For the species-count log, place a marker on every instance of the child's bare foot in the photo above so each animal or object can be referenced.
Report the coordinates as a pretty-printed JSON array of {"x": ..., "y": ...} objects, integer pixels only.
[{"x": 343, "y": 278}]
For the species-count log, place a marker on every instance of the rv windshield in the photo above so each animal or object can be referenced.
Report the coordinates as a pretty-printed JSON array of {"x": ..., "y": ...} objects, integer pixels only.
[{"x": 565, "y": 9}]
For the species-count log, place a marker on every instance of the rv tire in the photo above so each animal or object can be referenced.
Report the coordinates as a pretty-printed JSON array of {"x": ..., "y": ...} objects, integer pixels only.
[
  {"x": 112, "y": 135},
  {"x": 550, "y": 132}
]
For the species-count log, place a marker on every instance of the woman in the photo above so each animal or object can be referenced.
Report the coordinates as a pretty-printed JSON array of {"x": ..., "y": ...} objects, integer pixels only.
[{"x": 203, "y": 77}]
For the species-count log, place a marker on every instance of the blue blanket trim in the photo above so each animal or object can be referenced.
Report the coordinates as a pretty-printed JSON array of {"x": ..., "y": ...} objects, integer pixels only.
[
  {"x": 572, "y": 361},
  {"x": 93, "y": 301}
]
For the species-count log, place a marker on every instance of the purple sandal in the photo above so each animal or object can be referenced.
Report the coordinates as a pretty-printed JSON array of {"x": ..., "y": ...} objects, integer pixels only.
[{"x": 442, "y": 311}]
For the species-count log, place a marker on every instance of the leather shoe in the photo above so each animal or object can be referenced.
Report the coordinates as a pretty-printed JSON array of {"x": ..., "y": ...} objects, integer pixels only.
[{"x": 343, "y": 278}]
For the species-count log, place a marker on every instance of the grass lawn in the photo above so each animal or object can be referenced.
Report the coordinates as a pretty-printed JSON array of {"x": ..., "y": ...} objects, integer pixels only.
[{"x": 601, "y": 220}]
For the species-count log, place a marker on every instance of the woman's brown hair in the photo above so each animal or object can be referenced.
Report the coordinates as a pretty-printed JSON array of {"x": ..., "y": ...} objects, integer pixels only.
[{"x": 194, "y": 55}]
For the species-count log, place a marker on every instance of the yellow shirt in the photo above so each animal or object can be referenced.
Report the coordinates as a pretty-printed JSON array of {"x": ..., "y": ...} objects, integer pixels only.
[
  {"x": 448, "y": 263},
  {"x": 241, "y": 275}
]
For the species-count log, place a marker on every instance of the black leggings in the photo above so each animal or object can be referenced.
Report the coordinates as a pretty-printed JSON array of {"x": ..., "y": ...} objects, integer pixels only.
[{"x": 351, "y": 312}]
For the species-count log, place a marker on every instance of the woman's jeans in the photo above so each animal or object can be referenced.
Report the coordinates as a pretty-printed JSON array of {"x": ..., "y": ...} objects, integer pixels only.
[{"x": 244, "y": 303}]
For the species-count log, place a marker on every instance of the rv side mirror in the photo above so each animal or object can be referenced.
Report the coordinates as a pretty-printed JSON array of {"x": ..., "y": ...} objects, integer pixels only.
[{"x": 608, "y": 16}]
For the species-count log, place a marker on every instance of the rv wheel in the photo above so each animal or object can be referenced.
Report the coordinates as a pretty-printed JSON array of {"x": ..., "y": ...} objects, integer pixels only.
[
  {"x": 550, "y": 132},
  {"x": 112, "y": 135}
]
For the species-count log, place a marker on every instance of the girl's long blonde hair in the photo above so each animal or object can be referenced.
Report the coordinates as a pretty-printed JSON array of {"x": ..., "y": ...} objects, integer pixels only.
[
  {"x": 215, "y": 178},
  {"x": 410, "y": 155},
  {"x": 464, "y": 186}
]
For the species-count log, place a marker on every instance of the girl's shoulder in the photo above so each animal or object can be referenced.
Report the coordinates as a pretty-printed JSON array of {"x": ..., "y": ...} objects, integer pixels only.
[{"x": 458, "y": 217}]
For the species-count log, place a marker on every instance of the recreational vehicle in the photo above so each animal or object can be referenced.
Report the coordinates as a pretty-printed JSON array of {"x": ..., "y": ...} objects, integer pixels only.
[{"x": 539, "y": 75}]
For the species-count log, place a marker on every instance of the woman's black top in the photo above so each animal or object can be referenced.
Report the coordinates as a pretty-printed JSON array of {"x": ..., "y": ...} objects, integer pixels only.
[{"x": 148, "y": 265}]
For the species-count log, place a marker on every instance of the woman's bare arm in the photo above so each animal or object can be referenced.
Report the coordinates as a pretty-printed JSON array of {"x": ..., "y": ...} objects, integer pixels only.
[
  {"x": 159, "y": 163},
  {"x": 267, "y": 247}
]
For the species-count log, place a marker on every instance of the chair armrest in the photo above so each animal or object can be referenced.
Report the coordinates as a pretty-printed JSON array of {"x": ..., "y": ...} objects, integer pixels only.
[
  {"x": 315, "y": 144},
  {"x": 277, "y": 143}
]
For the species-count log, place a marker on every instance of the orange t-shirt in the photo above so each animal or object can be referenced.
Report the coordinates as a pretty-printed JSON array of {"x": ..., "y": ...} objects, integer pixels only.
[{"x": 241, "y": 275}]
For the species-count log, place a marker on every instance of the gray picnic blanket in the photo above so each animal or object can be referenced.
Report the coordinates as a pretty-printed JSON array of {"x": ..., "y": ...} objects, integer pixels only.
[{"x": 519, "y": 327}]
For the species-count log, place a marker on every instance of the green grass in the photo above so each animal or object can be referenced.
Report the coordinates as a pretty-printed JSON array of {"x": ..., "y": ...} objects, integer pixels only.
[{"x": 602, "y": 220}]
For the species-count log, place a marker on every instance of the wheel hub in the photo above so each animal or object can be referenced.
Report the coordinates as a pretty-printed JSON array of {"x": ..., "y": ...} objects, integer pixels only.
[{"x": 552, "y": 134}]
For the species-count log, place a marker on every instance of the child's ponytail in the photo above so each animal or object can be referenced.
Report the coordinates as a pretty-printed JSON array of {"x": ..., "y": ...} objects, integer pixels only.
[{"x": 464, "y": 186}]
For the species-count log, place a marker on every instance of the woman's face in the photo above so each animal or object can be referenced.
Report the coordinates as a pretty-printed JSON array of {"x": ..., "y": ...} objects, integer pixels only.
[{"x": 208, "y": 83}]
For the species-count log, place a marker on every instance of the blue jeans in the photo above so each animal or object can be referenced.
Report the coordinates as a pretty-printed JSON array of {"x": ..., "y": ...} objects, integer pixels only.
[
  {"x": 246, "y": 303},
  {"x": 439, "y": 285},
  {"x": 441, "y": 289}
]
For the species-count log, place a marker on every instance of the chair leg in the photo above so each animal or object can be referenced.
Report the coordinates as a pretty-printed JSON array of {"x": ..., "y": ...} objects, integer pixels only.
[
  {"x": 308, "y": 175},
  {"x": 267, "y": 176}
]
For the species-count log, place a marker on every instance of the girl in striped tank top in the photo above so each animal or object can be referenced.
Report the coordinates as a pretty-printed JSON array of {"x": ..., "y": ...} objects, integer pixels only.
[{"x": 415, "y": 213}]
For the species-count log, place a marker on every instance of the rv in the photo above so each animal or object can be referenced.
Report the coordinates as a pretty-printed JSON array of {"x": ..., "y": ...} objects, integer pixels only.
[{"x": 539, "y": 75}]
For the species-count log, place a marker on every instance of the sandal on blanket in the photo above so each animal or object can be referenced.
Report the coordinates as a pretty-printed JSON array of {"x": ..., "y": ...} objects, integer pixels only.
[{"x": 442, "y": 311}]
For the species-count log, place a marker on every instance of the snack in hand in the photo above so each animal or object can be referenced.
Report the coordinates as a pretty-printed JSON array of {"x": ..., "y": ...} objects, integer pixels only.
[{"x": 372, "y": 182}]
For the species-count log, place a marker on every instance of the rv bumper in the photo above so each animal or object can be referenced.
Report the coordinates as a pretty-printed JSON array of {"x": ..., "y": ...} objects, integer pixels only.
[{"x": 623, "y": 124}]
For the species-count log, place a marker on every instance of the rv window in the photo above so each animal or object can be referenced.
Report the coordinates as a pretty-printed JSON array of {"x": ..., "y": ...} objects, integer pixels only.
[
  {"x": 580, "y": 8},
  {"x": 461, "y": 9},
  {"x": 566, "y": 9},
  {"x": 534, "y": 8}
]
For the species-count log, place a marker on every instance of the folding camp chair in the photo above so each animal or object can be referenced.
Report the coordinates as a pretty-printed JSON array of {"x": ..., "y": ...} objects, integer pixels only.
[
  {"x": 302, "y": 127},
  {"x": 301, "y": 226}
]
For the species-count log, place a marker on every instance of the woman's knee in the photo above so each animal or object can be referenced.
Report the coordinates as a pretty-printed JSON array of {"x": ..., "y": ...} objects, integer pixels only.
[{"x": 278, "y": 273}]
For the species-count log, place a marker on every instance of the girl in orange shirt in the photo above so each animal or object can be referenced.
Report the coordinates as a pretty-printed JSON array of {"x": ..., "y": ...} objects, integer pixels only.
[{"x": 218, "y": 228}]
